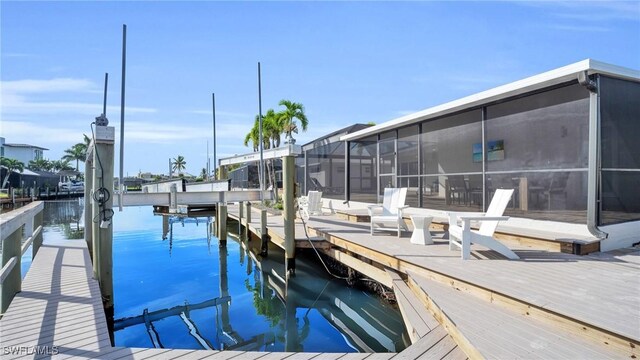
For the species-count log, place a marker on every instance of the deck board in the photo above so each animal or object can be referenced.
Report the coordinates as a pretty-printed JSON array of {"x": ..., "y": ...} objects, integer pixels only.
[
  {"x": 605, "y": 295},
  {"x": 60, "y": 304},
  {"x": 498, "y": 332}
]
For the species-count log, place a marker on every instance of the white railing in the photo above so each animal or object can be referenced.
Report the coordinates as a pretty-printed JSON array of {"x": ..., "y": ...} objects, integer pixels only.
[{"x": 21, "y": 224}]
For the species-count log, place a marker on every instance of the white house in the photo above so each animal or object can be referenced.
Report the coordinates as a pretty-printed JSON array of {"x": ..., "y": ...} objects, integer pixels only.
[{"x": 21, "y": 152}]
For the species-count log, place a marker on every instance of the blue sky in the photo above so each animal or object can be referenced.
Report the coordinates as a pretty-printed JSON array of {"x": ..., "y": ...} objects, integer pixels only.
[{"x": 347, "y": 62}]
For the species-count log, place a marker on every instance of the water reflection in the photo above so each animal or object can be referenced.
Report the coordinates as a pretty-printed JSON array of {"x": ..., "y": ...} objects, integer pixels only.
[
  {"x": 169, "y": 220},
  {"x": 179, "y": 295},
  {"x": 67, "y": 215}
]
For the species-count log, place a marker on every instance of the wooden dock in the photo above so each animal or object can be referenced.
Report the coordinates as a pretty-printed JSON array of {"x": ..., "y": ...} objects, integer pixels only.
[
  {"x": 545, "y": 305},
  {"x": 593, "y": 297}
]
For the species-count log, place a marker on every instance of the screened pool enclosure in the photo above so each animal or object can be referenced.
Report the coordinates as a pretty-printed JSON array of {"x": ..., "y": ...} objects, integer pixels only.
[{"x": 565, "y": 140}]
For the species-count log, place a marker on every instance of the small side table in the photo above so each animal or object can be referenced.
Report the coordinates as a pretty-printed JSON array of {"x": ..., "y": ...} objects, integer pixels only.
[{"x": 421, "y": 234}]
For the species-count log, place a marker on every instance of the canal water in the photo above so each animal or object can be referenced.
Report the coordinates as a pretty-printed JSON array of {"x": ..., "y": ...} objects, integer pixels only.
[{"x": 174, "y": 287}]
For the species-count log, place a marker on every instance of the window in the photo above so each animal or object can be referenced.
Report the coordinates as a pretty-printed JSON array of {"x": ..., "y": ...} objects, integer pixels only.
[
  {"x": 620, "y": 149},
  {"x": 538, "y": 145},
  {"x": 450, "y": 170},
  {"x": 325, "y": 169},
  {"x": 363, "y": 170}
]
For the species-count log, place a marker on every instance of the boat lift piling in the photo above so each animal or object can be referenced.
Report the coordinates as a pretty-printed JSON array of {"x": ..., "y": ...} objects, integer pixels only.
[
  {"x": 289, "y": 214},
  {"x": 102, "y": 204},
  {"x": 264, "y": 236},
  {"x": 221, "y": 220}
]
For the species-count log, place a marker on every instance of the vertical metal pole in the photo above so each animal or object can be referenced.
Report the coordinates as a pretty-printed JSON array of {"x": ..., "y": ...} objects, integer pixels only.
[
  {"x": 170, "y": 169},
  {"x": 215, "y": 163},
  {"x": 421, "y": 180},
  {"x": 104, "y": 101},
  {"x": 124, "y": 67},
  {"x": 484, "y": 166},
  {"x": 594, "y": 167},
  {"x": 261, "y": 167},
  {"x": 347, "y": 171}
]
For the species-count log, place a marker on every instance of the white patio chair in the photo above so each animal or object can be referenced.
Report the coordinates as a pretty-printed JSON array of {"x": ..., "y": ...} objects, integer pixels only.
[
  {"x": 310, "y": 204},
  {"x": 463, "y": 236},
  {"x": 392, "y": 207}
]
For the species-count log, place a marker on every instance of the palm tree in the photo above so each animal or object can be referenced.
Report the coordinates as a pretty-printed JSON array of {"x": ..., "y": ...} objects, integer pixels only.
[
  {"x": 179, "y": 164},
  {"x": 252, "y": 137},
  {"x": 60, "y": 165},
  {"x": 272, "y": 127},
  {"x": 203, "y": 174},
  {"x": 77, "y": 152},
  {"x": 11, "y": 165},
  {"x": 39, "y": 165},
  {"x": 288, "y": 116},
  {"x": 86, "y": 141}
]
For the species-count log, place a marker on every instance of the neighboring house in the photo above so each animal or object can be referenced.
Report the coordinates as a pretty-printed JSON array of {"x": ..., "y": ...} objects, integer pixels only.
[
  {"x": 132, "y": 181},
  {"x": 29, "y": 178},
  {"x": 21, "y": 152}
]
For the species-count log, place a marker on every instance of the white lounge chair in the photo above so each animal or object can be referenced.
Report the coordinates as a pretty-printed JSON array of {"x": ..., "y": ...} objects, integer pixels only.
[
  {"x": 311, "y": 204},
  {"x": 463, "y": 236},
  {"x": 392, "y": 207}
]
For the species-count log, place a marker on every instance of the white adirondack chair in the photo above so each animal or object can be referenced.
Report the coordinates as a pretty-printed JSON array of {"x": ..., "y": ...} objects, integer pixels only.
[
  {"x": 462, "y": 236},
  {"x": 311, "y": 204},
  {"x": 392, "y": 207}
]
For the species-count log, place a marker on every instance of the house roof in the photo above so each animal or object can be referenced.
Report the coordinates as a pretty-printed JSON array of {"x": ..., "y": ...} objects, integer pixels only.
[
  {"x": 533, "y": 83},
  {"x": 334, "y": 136},
  {"x": 24, "y": 146}
]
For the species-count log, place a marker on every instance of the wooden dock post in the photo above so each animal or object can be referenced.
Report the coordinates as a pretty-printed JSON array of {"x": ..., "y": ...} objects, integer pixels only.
[
  {"x": 103, "y": 153},
  {"x": 222, "y": 225},
  {"x": 247, "y": 217},
  {"x": 173, "y": 199},
  {"x": 12, "y": 282},
  {"x": 37, "y": 240},
  {"x": 264, "y": 237},
  {"x": 240, "y": 205},
  {"x": 289, "y": 214},
  {"x": 88, "y": 209}
]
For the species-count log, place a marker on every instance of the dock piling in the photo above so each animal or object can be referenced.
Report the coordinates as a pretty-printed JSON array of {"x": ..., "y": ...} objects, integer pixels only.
[
  {"x": 173, "y": 199},
  {"x": 102, "y": 205},
  {"x": 264, "y": 238},
  {"x": 37, "y": 240},
  {"x": 222, "y": 225},
  {"x": 240, "y": 205},
  {"x": 12, "y": 282},
  {"x": 289, "y": 215},
  {"x": 88, "y": 210}
]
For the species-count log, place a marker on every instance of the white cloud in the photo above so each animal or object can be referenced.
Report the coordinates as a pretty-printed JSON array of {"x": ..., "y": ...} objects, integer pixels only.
[
  {"x": 18, "y": 98},
  {"x": 18, "y": 105},
  {"x": 48, "y": 86},
  {"x": 580, "y": 28},
  {"x": 16, "y": 55},
  {"x": 24, "y": 131},
  {"x": 148, "y": 132},
  {"x": 589, "y": 10},
  {"x": 228, "y": 114}
]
